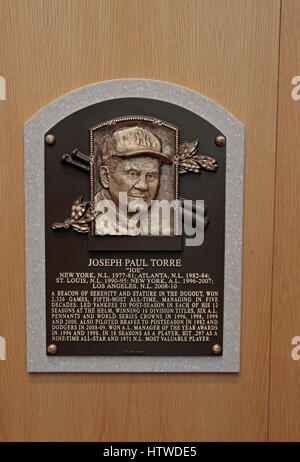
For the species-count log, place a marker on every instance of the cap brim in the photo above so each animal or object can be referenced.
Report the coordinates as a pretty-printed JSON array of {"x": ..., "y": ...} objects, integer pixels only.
[{"x": 146, "y": 152}]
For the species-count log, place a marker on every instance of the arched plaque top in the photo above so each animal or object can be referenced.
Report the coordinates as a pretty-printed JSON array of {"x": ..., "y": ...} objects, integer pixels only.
[{"x": 144, "y": 88}]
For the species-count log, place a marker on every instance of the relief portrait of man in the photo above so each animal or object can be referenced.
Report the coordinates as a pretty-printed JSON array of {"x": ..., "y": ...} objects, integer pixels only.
[{"x": 134, "y": 172}]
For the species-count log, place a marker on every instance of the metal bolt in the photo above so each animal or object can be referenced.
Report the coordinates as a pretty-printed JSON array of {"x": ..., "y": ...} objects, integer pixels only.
[
  {"x": 220, "y": 140},
  {"x": 52, "y": 349},
  {"x": 216, "y": 349},
  {"x": 50, "y": 138}
]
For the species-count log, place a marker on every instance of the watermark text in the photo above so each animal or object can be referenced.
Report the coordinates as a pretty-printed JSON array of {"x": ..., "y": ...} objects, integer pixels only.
[
  {"x": 296, "y": 349},
  {"x": 2, "y": 349},
  {"x": 296, "y": 90},
  {"x": 2, "y": 88}
]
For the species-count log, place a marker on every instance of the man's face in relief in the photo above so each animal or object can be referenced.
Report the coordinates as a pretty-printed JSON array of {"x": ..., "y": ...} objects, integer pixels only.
[{"x": 136, "y": 176}]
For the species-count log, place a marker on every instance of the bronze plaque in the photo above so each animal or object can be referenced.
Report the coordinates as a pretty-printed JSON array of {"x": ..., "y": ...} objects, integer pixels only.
[{"x": 134, "y": 231}]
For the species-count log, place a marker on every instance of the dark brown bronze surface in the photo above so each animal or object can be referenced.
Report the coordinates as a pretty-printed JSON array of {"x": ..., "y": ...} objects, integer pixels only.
[
  {"x": 140, "y": 145},
  {"x": 70, "y": 256}
]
